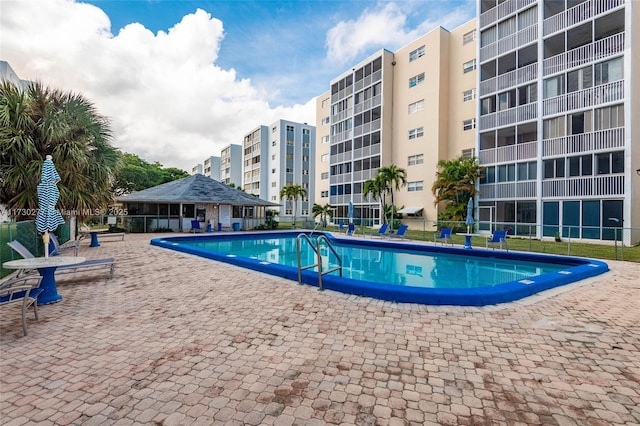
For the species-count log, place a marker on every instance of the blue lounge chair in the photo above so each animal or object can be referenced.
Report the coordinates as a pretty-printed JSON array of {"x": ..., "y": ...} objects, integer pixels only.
[
  {"x": 444, "y": 236},
  {"x": 351, "y": 229},
  {"x": 400, "y": 233},
  {"x": 382, "y": 232},
  {"x": 497, "y": 238},
  {"x": 59, "y": 248},
  {"x": 89, "y": 264}
]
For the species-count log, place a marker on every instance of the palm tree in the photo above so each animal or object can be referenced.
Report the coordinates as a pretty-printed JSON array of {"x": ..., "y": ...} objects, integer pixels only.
[
  {"x": 38, "y": 121},
  {"x": 393, "y": 177},
  {"x": 323, "y": 212},
  {"x": 292, "y": 193},
  {"x": 375, "y": 188},
  {"x": 455, "y": 183}
]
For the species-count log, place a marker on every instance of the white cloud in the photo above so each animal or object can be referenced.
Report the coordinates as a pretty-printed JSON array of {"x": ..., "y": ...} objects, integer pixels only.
[
  {"x": 386, "y": 26},
  {"x": 165, "y": 96}
]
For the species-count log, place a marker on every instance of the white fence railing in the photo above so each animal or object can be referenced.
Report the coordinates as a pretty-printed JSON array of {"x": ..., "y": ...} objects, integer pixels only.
[{"x": 592, "y": 141}]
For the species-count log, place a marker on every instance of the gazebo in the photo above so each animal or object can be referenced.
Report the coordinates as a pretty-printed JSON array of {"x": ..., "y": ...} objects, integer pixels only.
[{"x": 173, "y": 205}]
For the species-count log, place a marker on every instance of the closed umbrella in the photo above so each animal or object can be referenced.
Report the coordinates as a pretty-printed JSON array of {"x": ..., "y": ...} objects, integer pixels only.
[
  {"x": 48, "y": 217},
  {"x": 350, "y": 212},
  {"x": 469, "y": 220}
]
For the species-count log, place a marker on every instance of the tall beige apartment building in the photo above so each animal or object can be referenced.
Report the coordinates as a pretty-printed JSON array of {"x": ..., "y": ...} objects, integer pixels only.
[{"x": 411, "y": 108}]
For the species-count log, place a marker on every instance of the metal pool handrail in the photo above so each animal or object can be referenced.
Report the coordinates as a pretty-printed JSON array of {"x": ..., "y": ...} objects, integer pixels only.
[{"x": 318, "y": 263}]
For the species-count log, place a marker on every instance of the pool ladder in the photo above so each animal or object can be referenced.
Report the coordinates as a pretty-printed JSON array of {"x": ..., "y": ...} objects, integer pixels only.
[{"x": 316, "y": 249}]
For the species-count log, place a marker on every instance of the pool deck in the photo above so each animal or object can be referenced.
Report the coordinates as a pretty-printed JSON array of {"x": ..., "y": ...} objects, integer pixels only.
[{"x": 175, "y": 339}]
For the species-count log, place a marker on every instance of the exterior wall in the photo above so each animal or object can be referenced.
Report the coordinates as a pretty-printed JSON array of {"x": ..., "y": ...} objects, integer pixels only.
[
  {"x": 277, "y": 155},
  {"x": 323, "y": 110},
  {"x": 197, "y": 169},
  {"x": 211, "y": 168},
  {"x": 575, "y": 136},
  {"x": 254, "y": 151},
  {"x": 231, "y": 165},
  {"x": 421, "y": 113}
]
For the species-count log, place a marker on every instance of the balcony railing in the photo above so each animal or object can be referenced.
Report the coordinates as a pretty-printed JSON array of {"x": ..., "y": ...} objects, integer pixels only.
[
  {"x": 510, "y": 42},
  {"x": 583, "y": 186},
  {"x": 604, "y": 48},
  {"x": 509, "y": 153},
  {"x": 503, "y": 9},
  {"x": 586, "y": 142},
  {"x": 509, "y": 116},
  {"x": 508, "y": 190},
  {"x": 509, "y": 79},
  {"x": 577, "y": 14},
  {"x": 604, "y": 93}
]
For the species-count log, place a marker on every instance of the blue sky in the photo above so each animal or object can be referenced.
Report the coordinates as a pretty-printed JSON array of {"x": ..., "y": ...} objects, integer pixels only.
[{"x": 171, "y": 74}]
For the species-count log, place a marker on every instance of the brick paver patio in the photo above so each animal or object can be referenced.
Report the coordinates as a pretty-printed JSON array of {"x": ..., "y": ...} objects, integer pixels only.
[{"x": 175, "y": 339}]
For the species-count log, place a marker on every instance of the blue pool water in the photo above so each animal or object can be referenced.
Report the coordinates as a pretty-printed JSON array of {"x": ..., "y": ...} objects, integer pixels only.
[{"x": 400, "y": 272}]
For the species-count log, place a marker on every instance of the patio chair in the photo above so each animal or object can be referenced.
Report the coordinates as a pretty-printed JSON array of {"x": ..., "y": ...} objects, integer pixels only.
[
  {"x": 497, "y": 238},
  {"x": 444, "y": 236},
  {"x": 400, "y": 233},
  {"x": 382, "y": 232},
  {"x": 89, "y": 264},
  {"x": 59, "y": 248},
  {"x": 195, "y": 226},
  {"x": 351, "y": 229},
  {"x": 341, "y": 227},
  {"x": 23, "y": 290}
]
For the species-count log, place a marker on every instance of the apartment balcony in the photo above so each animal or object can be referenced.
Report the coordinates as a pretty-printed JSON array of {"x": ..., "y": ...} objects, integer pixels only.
[
  {"x": 340, "y": 137},
  {"x": 509, "y": 116},
  {"x": 509, "y": 79},
  {"x": 577, "y": 14},
  {"x": 367, "y": 81},
  {"x": 368, "y": 104},
  {"x": 609, "y": 46},
  {"x": 502, "y": 10},
  {"x": 610, "y": 92},
  {"x": 509, "y": 153},
  {"x": 367, "y": 127},
  {"x": 508, "y": 190},
  {"x": 341, "y": 116},
  {"x": 583, "y": 186},
  {"x": 366, "y": 151},
  {"x": 585, "y": 142},
  {"x": 511, "y": 42}
]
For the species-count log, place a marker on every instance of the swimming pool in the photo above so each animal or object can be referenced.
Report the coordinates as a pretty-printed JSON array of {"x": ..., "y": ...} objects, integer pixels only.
[{"x": 397, "y": 271}]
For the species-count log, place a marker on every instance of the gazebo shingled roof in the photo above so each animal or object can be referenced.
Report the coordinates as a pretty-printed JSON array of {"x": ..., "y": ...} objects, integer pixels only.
[{"x": 195, "y": 189}]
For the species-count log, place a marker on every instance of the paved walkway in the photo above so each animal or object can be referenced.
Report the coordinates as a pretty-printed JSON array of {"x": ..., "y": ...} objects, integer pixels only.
[{"x": 174, "y": 339}]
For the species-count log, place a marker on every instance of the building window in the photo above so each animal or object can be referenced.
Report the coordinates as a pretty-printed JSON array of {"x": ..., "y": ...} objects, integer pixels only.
[
  {"x": 469, "y": 66},
  {"x": 273, "y": 198},
  {"x": 324, "y": 158},
  {"x": 416, "y": 133},
  {"x": 468, "y": 95},
  {"x": 415, "y": 186},
  {"x": 288, "y": 211},
  {"x": 325, "y": 139},
  {"x": 324, "y": 194},
  {"x": 414, "y": 81},
  {"x": 324, "y": 175},
  {"x": 416, "y": 159},
  {"x": 273, "y": 143},
  {"x": 325, "y": 103},
  {"x": 469, "y": 124},
  {"x": 274, "y": 129},
  {"x": 273, "y": 184},
  {"x": 273, "y": 171},
  {"x": 468, "y": 153},
  {"x": 553, "y": 168},
  {"x": 416, "y": 106},
  {"x": 418, "y": 53},
  {"x": 469, "y": 37},
  {"x": 305, "y": 171},
  {"x": 326, "y": 120},
  {"x": 305, "y": 158},
  {"x": 273, "y": 156}
]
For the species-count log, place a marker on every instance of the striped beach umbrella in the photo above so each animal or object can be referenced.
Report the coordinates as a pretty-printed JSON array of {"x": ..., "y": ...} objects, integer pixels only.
[{"x": 48, "y": 217}]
